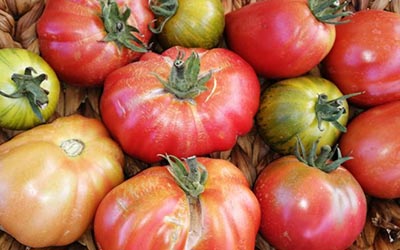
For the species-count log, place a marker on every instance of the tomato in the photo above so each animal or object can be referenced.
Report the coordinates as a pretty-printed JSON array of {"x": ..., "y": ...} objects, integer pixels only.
[
  {"x": 190, "y": 23},
  {"x": 310, "y": 107},
  {"x": 29, "y": 89},
  {"x": 180, "y": 207},
  {"x": 280, "y": 38},
  {"x": 365, "y": 57},
  {"x": 183, "y": 102},
  {"x": 84, "y": 40},
  {"x": 303, "y": 207},
  {"x": 52, "y": 178},
  {"x": 373, "y": 142}
]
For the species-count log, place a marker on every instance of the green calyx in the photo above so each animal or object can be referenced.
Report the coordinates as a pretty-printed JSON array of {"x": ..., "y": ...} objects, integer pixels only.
[
  {"x": 117, "y": 28},
  {"x": 185, "y": 80},
  {"x": 163, "y": 10},
  {"x": 328, "y": 11},
  {"x": 331, "y": 110},
  {"x": 191, "y": 181},
  {"x": 28, "y": 86},
  {"x": 324, "y": 160}
]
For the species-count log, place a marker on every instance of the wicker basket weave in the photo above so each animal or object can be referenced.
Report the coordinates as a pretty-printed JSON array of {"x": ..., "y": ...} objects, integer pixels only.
[{"x": 18, "y": 29}]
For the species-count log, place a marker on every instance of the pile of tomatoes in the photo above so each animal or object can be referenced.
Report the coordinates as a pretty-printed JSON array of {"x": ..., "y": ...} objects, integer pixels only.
[{"x": 180, "y": 80}]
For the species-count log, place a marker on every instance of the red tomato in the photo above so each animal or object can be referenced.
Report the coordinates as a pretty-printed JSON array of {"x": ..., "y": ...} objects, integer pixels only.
[
  {"x": 303, "y": 207},
  {"x": 373, "y": 140},
  {"x": 279, "y": 38},
  {"x": 151, "y": 211},
  {"x": 76, "y": 42},
  {"x": 53, "y": 177},
  {"x": 366, "y": 57},
  {"x": 164, "y": 104}
]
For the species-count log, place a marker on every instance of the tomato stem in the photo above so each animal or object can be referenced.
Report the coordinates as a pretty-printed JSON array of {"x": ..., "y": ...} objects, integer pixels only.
[
  {"x": 185, "y": 80},
  {"x": 192, "y": 181},
  {"x": 163, "y": 10},
  {"x": 28, "y": 86},
  {"x": 324, "y": 160},
  {"x": 331, "y": 110},
  {"x": 72, "y": 147},
  {"x": 117, "y": 27},
  {"x": 328, "y": 11}
]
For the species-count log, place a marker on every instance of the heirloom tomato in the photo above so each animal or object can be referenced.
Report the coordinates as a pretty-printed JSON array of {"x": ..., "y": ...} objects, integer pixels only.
[
  {"x": 308, "y": 107},
  {"x": 373, "y": 140},
  {"x": 281, "y": 38},
  {"x": 366, "y": 57},
  {"x": 310, "y": 203},
  {"x": 52, "y": 178},
  {"x": 29, "y": 89},
  {"x": 84, "y": 40},
  {"x": 189, "y": 23},
  {"x": 183, "y": 102},
  {"x": 202, "y": 204}
]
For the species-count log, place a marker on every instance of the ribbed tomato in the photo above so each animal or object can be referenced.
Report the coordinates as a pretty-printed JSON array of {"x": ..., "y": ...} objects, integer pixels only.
[
  {"x": 183, "y": 102},
  {"x": 202, "y": 205},
  {"x": 52, "y": 178}
]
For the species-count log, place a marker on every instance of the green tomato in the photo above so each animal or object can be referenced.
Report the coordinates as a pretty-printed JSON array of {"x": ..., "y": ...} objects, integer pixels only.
[
  {"x": 29, "y": 89},
  {"x": 188, "y": 23},
  {"x": 308, "y": 107}
]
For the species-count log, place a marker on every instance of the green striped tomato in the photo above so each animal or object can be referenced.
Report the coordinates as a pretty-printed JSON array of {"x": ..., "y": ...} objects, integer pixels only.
[
  {"x": 29, "y": 89},
  {"x": 309, "y": 107},
  {"x": 195, "y": 24}
]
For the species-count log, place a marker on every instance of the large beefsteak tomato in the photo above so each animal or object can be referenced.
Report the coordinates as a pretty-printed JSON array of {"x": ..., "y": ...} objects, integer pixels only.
[
  {"x": 202, "y": 205},
  {"x": 53, "y": 177},
  {"x": 281, "y": 38},
  {"x": 183, "y": 102},
  {"x": 310, "y": 203},
  {"x": 29, "y": 89},
  {"x": 373, "y": 140},
  {"x": 84, "y": 40},
  {"x": 366, "y": 57}
]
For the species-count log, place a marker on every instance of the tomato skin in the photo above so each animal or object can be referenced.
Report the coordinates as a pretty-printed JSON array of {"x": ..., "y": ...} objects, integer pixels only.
[
  {"x": 48, "y": 196},
  {"x": 71, "y": 34},
  {"x": 17, "y": 113},
  {"x": 287, "y": 110},
  {"x": 150, "y": 211},
  {"x": 147, "y": 120},
  {"x": 196, "y": 24},
  {"x": 274, "y": 51},
  {"x": 365, "y": 57},
  {"x": 302, "y": 205},
  {"x": 373, "y": 142}
]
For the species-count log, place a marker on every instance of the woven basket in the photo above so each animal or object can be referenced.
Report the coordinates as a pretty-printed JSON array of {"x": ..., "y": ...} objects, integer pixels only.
[{"x": 17, "y": 29}]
